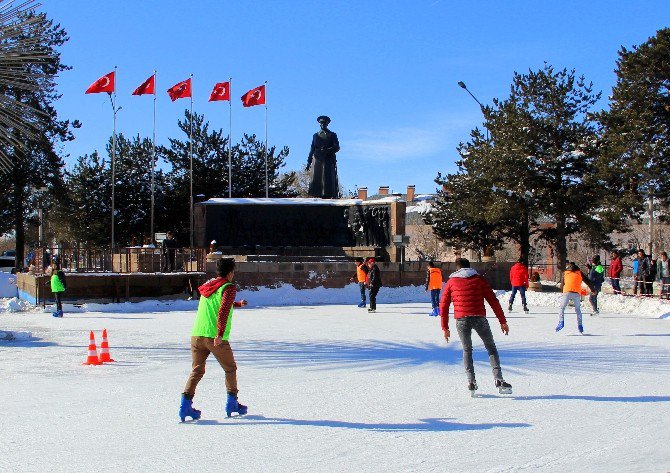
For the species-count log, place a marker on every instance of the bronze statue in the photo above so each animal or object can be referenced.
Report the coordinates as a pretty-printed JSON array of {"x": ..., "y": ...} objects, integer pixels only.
[{"x": 322, "y": 162}]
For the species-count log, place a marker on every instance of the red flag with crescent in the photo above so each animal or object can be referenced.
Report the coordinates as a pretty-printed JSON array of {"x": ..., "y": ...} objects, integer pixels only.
[
  {"x": 180, "y": 90},
  {"x": 147, "y": 87},
  {"x": 104, "y": 84},
  {"x": 254, "y": 97},
  {"x": 221, "y": 91}
]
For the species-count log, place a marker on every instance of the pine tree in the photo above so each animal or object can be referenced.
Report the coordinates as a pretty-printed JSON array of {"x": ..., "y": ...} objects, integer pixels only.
[
  {"x": 85, "y": 215},
  {"x": 210, "y": 169},
  {"x": 563, "y": 135},
  {"x": 539, "y": 165},
  {"x": 636, "y": 142},
  {"x": 36, "y": 164}
]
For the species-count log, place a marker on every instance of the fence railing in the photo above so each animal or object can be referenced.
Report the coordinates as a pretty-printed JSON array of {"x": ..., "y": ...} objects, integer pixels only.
[{"x": 123, "y": 260}]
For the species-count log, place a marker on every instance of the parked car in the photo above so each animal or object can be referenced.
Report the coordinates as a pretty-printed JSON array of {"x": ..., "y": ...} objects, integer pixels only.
[{"x": 7, "y": 260}]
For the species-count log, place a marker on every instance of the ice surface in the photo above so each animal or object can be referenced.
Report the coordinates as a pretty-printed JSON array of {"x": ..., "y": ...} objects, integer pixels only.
[{"x": 333, "y": 388}]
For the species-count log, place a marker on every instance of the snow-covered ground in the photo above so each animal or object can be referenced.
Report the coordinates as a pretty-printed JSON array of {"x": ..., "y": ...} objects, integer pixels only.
[{"x": 333, "y": 388}]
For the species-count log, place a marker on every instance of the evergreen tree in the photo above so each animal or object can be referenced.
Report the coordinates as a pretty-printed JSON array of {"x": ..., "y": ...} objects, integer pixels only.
[
  {"x": 85, "y": 216},
  {"x": 557, "y": 106},
  {"x": 210, "y": 169},
  {"x": 133, "y": 190},
  {"x": 538, "y": 165},
  {"x": 36, "y": 164},
  {"x": 636, "y": 143},
  {"x": 90, "y": 191}
]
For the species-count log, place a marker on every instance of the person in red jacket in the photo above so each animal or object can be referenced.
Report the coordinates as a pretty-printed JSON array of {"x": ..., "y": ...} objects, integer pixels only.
[
  {"x": 616, "y": 268},
  {"x": 518, "y": 276},
  {"x": 468, "y": 290}
]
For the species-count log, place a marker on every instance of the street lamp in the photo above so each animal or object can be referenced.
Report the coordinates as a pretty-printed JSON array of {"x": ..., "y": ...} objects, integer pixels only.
[{"x": 462, "y": 85}]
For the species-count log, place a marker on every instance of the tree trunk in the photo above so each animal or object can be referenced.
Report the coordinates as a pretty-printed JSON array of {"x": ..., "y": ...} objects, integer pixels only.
[
  {"x": 524, "y": 238},
  {"x": 561, "y": 247},
  {"x": 18, "y": 204}
]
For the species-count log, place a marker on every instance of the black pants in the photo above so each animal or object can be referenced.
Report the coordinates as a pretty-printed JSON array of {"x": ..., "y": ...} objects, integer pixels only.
[
  {"x": 59, "y": 304},
  {"x": 373, "y": 297},
  {"x": 170, "y": 255}
]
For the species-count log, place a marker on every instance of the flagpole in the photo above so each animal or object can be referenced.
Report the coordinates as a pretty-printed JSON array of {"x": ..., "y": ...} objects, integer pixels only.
[
  {"x": 267, "y": 190},
  {"x": 153, "y": 165},
  {"x": 190, "y": 152},
  {"x": 114, "y": 110},
  {"x": 230, "y": 137}
]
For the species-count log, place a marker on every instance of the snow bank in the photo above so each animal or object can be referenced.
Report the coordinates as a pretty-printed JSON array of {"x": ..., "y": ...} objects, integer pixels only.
[
  {"x": 607, "y": 303},
  {"x": 287, "y": 295},
  {"x": 8, "y": 285},
  {"x": 15, "y": 305}
]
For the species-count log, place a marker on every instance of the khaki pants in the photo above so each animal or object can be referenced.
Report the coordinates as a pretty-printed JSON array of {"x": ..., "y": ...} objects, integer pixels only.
[{"x": 201, "y": 347}]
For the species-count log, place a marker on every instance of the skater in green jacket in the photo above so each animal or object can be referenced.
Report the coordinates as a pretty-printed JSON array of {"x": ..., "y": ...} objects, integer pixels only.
[
  {"x": 58, "y": 286},
  {"x": 210, "y": 334}
]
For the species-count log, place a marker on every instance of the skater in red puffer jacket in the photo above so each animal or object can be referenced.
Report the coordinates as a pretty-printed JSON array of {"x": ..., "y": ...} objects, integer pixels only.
[
  {"x": 518, "y": 277},
  {"x": 468, "y": 290}
]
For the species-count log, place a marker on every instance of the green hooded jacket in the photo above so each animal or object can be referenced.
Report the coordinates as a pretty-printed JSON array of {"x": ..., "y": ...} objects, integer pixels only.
[{"x": 206, "y": 319}]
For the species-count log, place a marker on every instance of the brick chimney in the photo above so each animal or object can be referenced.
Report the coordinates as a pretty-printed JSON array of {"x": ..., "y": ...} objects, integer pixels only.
[
  {"x": 410, "y": 193},
  {"x": 384, "y": 190},
  {"x": 363, "y": 193}
]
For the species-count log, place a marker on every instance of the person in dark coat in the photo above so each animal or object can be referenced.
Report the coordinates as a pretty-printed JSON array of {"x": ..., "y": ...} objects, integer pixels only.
[
  {"x": 644, "y": 273},
  {"x": 169, "y": 252},
  {"x": 322, "y": 162},
  {"x": 374, "y": 283}
]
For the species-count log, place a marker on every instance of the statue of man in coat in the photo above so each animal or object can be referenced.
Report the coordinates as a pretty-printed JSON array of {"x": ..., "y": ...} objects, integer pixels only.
[{"x": 322, "y": 162}]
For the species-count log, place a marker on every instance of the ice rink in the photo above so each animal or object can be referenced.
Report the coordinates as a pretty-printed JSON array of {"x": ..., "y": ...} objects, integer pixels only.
[{"x": 333, "y": 388}]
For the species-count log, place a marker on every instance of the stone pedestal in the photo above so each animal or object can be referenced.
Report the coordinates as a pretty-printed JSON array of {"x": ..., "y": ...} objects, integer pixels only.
[{"x": 273, "y": 226}]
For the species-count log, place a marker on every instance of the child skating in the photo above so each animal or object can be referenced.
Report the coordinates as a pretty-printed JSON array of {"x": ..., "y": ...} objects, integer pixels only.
[
  {"x": 58, "y": 286},
  {"x": 210, "y": 335}
]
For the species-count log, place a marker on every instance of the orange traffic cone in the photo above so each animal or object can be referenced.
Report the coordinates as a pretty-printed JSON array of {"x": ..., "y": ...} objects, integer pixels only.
[
  {"x": 92, "y": 352},
  {"x": 104, "y": 349}
]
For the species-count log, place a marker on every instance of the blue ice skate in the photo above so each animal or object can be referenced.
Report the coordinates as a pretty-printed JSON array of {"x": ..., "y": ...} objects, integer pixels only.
[
  {"x": 435, "y": 312},
  {"x": 361, "y": 304},
  {"x": 233, "y": 406},
  {"x": 186, "y": 409},
  {"x": 580, "y": 328},
  {"x": 559, "y": 327},
  {"x": 58, "y": 314}
]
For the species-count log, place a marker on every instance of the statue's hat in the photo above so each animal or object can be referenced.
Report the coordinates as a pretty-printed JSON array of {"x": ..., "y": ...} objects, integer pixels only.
[{"x": 323, "y": 118}]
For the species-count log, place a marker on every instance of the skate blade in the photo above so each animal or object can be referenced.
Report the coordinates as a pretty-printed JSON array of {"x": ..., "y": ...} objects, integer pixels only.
[
  {"x": 473, "y": 393},
  {"x": 505, "y": 390}
]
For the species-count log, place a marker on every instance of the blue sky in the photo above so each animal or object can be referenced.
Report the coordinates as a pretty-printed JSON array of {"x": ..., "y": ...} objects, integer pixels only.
[{"x": 385, "y": 72}]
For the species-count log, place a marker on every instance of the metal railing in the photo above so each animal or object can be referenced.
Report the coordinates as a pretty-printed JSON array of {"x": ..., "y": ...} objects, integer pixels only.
[{"x": 124, "y": 260}]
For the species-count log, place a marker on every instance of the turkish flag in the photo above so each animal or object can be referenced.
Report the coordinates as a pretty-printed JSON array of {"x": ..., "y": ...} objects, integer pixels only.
[
  {"x": 181, "y": 90},
  {"x": 254, "y": 97},
  {"x": 147, "y": 87},
  {"x": 221, "y": 92},
  {"x": 104, "y": 84}
]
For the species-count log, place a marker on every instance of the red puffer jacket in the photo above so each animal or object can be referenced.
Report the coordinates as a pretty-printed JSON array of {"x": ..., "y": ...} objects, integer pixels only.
[
  {"x": 468, "y": 290},
  {"x": 616, "y": 268},
  {"x": 518, "y": 275}
]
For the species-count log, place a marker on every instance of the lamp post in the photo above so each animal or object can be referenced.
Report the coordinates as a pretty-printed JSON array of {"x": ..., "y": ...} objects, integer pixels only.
[{"x": 462, "y": 85}]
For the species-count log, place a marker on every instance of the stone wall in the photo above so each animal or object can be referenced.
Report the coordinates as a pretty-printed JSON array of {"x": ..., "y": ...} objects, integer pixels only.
[
  {"x": 337, "y": 275},
  {"x": 108, "y": 287},
  {"x": 114, "y": 287}
]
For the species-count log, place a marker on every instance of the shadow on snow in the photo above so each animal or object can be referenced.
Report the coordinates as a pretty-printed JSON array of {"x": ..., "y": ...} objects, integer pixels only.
[
  {"x": 567, "y": 397},
  {"x": 423, "y": 425}
]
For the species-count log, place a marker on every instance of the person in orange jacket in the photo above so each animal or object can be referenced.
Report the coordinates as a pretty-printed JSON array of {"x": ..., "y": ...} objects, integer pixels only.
[
  {"x": 572, "y": 289},
  {"x": 361, "y": 278},
  {"x": 434, "y": 285},
  {"x": 518, "y": 276}
]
